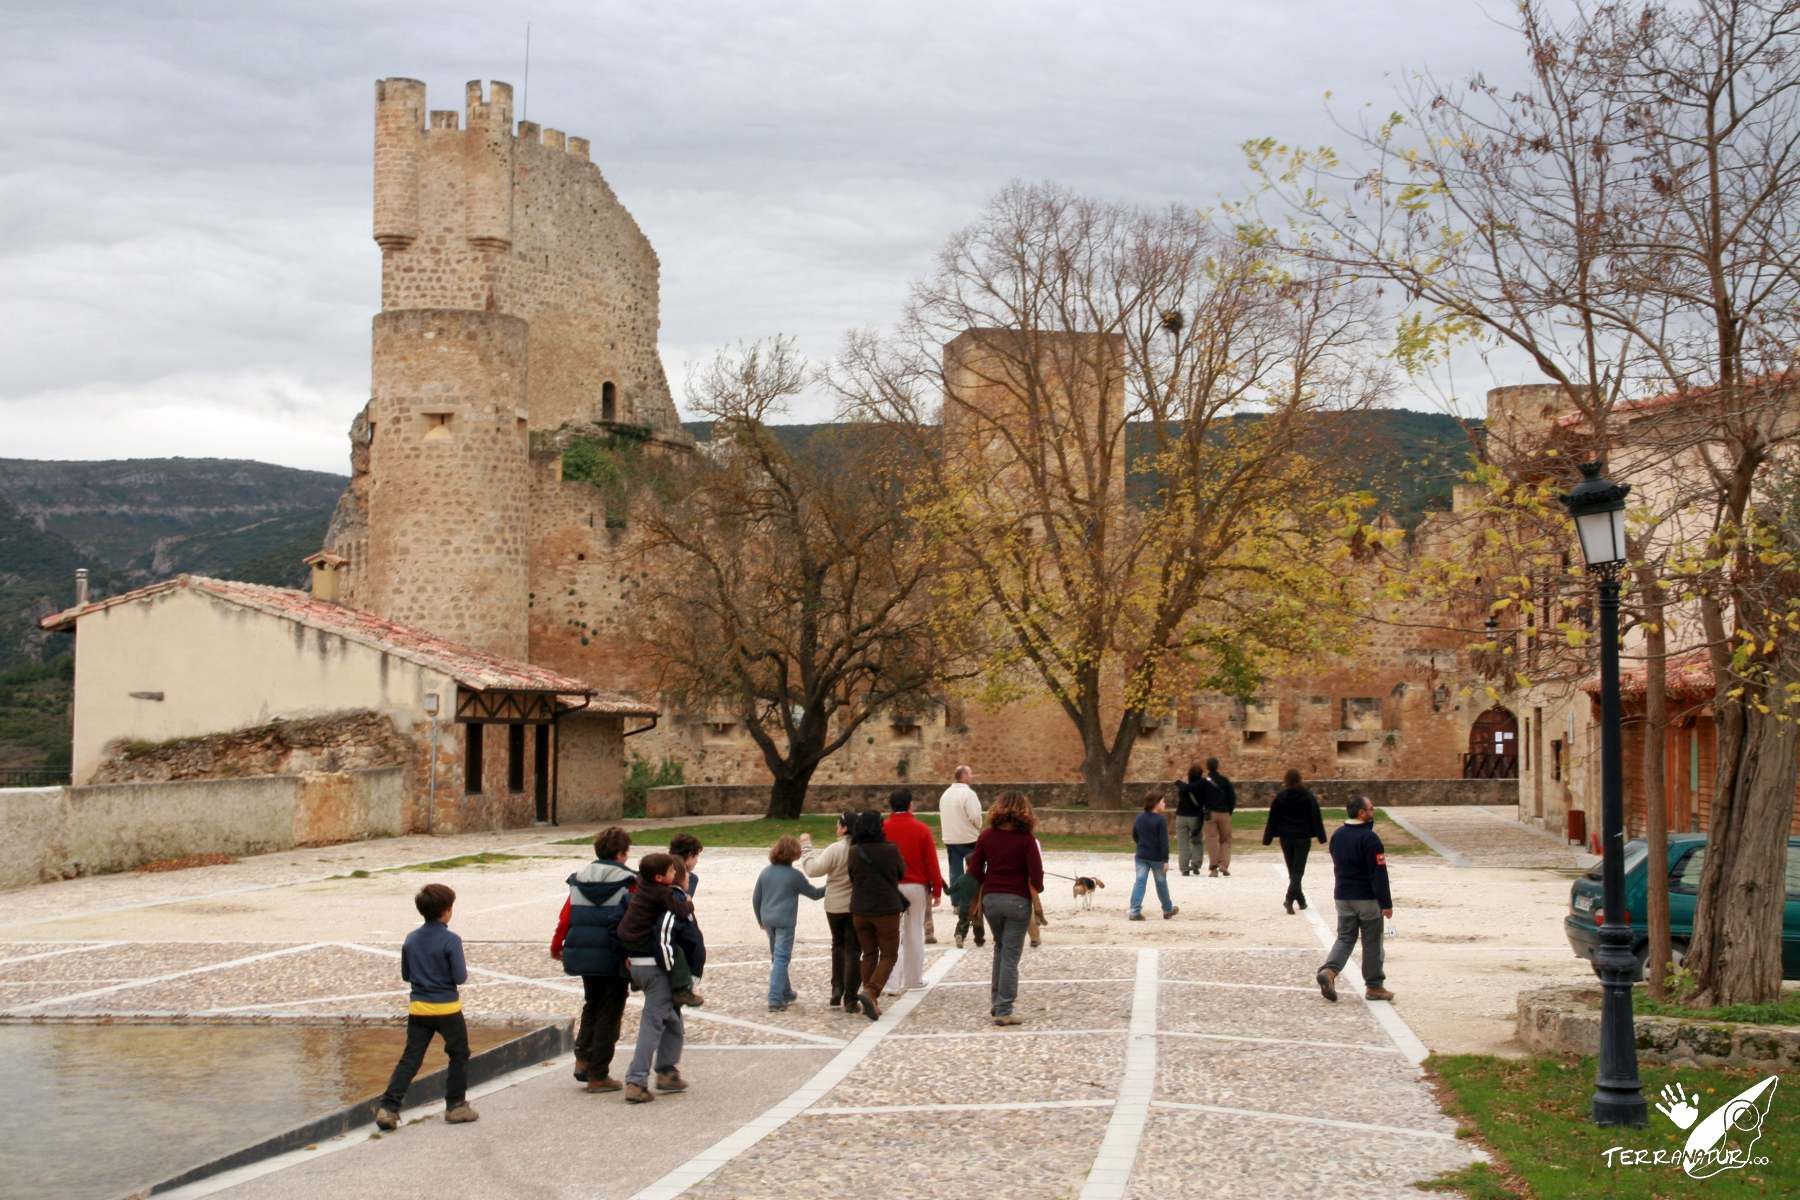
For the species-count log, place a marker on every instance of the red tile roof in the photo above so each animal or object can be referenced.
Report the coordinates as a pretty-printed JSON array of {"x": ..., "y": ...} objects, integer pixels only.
[
  {"x": 1688, "y": 677},
  {"x": 1761, "y": 383},
  {"x": 472, "y": 668}
]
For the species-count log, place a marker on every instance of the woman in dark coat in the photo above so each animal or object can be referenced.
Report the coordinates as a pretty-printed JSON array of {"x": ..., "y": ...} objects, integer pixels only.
[
  {"x": 1294, "y": 817},
  {"x": 875, "y": 905}
]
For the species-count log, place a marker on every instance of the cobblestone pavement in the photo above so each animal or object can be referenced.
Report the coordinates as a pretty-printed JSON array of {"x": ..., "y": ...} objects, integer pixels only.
[{"x": 1158, "y": 1066}]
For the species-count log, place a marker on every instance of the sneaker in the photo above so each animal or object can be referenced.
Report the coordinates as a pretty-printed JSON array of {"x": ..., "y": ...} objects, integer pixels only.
[
  {"x": 689, "y": 997},
  {"x": 1172, "y": 912},
  {"x": 1035, "y": 943},
  {"x": 386, "y": 1118},
  {"x": 980, "y": 942},
  {"x": 930, "y": 938},
  {"x": 1327, "y": 981},
  {"x": 778, "y": 1007},
  {"x": 670, "y": 1081},
  {"x": 1378, "y": 993},
  {"x": 1225, "y": 871},
  {"x": 462, "y": 1114},
  {"x": 1137, "y": 916},
  {"x": 637, "y": 1093},
  {"x": 603, "y": 1083},
  {"x": 1008, "y": 1019},
  {"x": 962, "y": 937}
]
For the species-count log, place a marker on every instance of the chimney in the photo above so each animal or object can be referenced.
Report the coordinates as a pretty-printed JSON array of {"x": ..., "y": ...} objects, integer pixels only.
[
  {"x": 328, "y": 575},
  {"x": 81, "y": 586}
]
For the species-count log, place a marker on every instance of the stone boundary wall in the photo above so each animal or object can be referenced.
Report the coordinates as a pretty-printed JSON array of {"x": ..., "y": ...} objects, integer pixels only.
[
  {"x": 60, "y": 833},
  {"x": 713, "y": 800},
  {"x": 1566, "y": 1020}
]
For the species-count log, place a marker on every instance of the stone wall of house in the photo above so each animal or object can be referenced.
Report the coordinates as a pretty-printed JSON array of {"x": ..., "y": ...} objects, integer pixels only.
[{"x": 349, "y": 741}]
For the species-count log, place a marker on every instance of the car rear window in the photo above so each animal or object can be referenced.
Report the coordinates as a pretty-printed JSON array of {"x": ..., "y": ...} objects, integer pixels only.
[{"x": 1636, "y": 850}]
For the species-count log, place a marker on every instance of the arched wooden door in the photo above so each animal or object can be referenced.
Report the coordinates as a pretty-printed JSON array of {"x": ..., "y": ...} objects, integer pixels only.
[{"x": 1493, "y": 746}]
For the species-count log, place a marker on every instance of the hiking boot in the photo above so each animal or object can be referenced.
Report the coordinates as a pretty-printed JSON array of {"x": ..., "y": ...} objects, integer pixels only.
[
  {"x": 1172, "y": 912},
  {"x": 1378, "y": 993},
  {"x": 689, "y": 997},
  {"x": 637, "y": 1093},
  {"x": 603, "y": 1083},
  {"x": 1327, "y": 981},
  {"x": 462, "y": 1114},
  {"x": 778, "y": 1007},
  {"x": 1008, "y": 1019},
  {"x": 386, "y": 1118},
  {"x": 670, "y": 1081}
]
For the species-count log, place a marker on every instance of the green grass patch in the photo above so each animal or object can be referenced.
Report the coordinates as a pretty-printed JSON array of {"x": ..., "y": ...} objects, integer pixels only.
[
  {"x": 1532, "y": 1114},
  {"x": 484, "y": 859},
  {"x": 1785, "y": 1011}
]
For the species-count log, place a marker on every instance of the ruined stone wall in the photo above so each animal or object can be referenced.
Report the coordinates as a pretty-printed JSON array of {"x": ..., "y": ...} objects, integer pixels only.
[
  {"x": 343, "y": 742},
  {"x": 520, "y": 221}
]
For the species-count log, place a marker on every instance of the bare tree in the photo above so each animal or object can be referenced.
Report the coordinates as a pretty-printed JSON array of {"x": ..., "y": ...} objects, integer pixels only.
[
  {"x": 792, "y": 589},
  {"x": 1116, "y": 576}
]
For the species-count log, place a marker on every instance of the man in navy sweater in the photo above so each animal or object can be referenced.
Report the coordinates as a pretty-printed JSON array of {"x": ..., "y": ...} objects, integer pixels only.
[{"x": 1363, "y": 900}]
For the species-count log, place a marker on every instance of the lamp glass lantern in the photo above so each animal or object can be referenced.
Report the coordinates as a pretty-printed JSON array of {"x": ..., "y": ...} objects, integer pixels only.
[{"x": 1598, "y": 506}]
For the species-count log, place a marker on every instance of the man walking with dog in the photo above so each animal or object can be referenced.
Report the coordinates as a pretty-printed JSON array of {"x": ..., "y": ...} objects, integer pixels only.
[{"x": 1363, "y": 900}]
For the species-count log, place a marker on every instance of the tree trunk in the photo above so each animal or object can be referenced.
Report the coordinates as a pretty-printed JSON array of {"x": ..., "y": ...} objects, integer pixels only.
[
  {"x": 1656, "y": 800},
  {"x": 1736, "y": 952},
  {"x": 787, "y": 792}
]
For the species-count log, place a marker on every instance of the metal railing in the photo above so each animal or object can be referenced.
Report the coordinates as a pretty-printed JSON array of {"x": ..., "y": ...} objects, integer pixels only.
[{"x": 1487, "y": 765}]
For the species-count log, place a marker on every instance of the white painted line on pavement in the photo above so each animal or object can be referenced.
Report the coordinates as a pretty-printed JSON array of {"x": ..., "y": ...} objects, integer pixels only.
[
  {"x": 1269, "y": 1041},
  {"x": 1124, "y": 1132},
  {"x": 1013, "y": 1032},
  {"x": 1220, "y": 983},
  {"x": 1265, "y": 1115},
  {"x": 24, "y": 958},
  {"x": 146, "y": 982},
  {"x": 710, "y": 1160},
  {"x": 1404, "y": 1038},
  {"x": 686, "y": 1046},
  {"x": 1442, "y": 851},
  {"x": 962, "y": 983},
  {"x": 999, "y": 1106}
]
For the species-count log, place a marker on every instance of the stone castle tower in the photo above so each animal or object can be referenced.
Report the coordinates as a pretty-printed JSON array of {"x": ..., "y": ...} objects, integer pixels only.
[{"x": 519, "y": 313}]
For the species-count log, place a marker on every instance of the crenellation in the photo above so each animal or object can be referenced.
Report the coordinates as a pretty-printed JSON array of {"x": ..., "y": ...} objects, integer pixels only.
[{"x": 446, "y": 118}]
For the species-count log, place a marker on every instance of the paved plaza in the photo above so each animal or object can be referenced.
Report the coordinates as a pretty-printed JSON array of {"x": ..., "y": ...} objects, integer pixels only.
[{"x": 1192, "y": 1057}]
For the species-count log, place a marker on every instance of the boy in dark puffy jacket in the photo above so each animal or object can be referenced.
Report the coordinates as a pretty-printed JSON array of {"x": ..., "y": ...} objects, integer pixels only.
[{"x": 586, "y": 942}]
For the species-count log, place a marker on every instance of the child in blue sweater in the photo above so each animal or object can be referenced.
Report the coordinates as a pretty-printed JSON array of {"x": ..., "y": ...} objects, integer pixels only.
[
  {"x": 777, "y": 904},
  {"x": 431, "y": 960}
]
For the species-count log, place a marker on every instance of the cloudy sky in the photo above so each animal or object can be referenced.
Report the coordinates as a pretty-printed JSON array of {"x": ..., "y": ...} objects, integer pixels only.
[{"x": 187, "y": 266}]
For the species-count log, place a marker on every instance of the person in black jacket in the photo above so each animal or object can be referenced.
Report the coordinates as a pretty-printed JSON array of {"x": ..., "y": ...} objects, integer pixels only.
[
  {"x": 1221, "y": 802},
  {"x": 1190, "y": 816},
  {"x": 1294, "y": 817},
  {"x": 876, "y": 903},
  {"x": 1363, "y": 901}
]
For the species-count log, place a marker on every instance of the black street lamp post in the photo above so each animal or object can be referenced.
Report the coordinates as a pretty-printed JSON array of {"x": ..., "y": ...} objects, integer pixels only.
[{"x": 1598, "y": 506}]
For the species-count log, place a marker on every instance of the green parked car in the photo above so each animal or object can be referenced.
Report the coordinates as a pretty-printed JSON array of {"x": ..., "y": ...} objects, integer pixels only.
[{"x": 1687, "y": 858}]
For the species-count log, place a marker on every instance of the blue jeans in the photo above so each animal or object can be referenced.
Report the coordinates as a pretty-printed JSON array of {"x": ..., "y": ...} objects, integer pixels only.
[
  {"x": 959, "y": 854},
  {"x": 781, "y": 952},
  {"x": 1146, "y": 868}
]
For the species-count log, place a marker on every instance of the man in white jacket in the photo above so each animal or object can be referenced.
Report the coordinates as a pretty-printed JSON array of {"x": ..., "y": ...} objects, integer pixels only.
[{"x": 959, "y": 817}]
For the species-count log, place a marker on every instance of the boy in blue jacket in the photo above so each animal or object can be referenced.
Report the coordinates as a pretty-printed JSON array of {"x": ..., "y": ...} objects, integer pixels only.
[{"x": 431, "y": 960}]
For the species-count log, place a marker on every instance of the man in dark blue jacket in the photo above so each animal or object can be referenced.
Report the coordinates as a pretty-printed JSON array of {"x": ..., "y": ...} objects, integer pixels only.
[{"x": 1363, "y": 900}]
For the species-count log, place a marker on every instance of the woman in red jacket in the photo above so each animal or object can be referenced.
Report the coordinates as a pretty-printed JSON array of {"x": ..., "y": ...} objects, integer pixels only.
[{"x": 1009, "y": 869}]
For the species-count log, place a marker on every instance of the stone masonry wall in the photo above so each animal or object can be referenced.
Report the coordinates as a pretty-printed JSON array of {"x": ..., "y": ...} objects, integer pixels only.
[{"x": 342, "y": 742}]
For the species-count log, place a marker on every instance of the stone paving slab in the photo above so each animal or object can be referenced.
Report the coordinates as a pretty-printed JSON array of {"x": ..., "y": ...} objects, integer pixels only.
[
  {"x": 1204, "y": 1155},
  {"x": 15, "y": 995},
  {"x": 1272, "y": 1014},
  {"x": 918, "y": 1156},
  {"x": 1262, "y": 1076},
  {"x": 1283, "y": 967},
  {"x": 1006, "y": 1066},
  {"x": 1042, "y": 1004},
  {"x": 320, "y": 971},
  {"x": 1050, "y": 962},
  {"x": 134, "y": 960}
]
